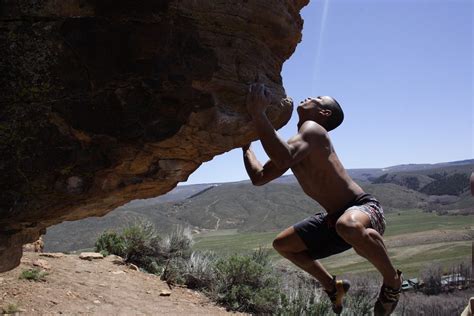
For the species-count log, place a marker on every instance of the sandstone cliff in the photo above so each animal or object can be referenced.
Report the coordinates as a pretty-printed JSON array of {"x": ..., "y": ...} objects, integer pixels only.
[{"x": 103, "y": 102}]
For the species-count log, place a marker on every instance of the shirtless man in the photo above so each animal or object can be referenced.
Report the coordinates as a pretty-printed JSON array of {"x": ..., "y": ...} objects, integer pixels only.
[{"x": 354, "y": 218}]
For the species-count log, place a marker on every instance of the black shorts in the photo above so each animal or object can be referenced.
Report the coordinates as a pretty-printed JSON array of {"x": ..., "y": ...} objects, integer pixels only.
[
  {"x": 321, "y": 239},
  {"x": 318, "y": 232}
]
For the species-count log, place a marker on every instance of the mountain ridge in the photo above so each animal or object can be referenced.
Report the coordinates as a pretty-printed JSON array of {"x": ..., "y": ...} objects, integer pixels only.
[{"x": 244, "y": 207}]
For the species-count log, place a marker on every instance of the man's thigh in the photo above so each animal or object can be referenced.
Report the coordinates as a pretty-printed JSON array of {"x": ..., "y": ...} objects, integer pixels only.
[{"x": 367, "y": 216}]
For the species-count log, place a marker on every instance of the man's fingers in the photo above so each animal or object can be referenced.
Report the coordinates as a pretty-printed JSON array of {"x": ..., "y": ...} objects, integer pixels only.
[
  {"x": 268, "y": 95},
  {"x": 259, "y": 90}
]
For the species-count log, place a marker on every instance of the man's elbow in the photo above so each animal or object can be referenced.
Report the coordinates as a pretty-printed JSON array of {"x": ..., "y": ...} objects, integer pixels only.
[
  {"x": 282, "y": 164},
  {"x": 258, "y": 180},
  {"x": 258, "y": 183}
]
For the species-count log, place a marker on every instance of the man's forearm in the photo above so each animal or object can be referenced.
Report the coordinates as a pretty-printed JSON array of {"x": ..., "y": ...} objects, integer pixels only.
[
  {"x": 252, "y": 165},
  {"x": 277, "y": 149}
]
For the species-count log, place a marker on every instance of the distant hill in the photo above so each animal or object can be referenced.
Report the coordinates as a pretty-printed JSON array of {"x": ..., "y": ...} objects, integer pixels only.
[
  {"x": 244, "y": 207},
  {"x": 447, "y": 179},
  {"x": 367, "y": 175}
]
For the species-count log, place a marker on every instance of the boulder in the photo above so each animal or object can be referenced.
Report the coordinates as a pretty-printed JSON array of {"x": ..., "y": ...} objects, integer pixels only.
[
  {"x": 36, "y": 246},
  {"x": 104, "y": 102}
]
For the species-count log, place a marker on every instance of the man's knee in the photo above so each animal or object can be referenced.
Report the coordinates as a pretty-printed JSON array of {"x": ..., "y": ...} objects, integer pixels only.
[
  {"x": 349, "y": 229},
  {"x": 280, "y": 245},
  {"x": 285, "y": 244},
  {"x": 285, "y": 248}
]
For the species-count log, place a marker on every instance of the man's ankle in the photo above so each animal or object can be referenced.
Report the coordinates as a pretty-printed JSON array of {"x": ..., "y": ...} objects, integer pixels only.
[
  {"x": 395, "y": 282},
  {"x": 331, "y": 286}
]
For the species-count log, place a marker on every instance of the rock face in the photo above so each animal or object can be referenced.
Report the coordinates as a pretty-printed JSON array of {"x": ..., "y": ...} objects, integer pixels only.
[
  {"x": 37, "y": 246},
  {"x": 103, "y": 102}
]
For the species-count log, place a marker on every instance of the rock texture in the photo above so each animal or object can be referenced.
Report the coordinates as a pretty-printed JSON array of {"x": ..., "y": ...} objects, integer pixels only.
[{"x": 103, "y": 102}]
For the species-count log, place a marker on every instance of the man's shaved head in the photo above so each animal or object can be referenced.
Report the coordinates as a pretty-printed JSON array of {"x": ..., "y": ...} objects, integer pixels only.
[{"x": 337, "y": 115}]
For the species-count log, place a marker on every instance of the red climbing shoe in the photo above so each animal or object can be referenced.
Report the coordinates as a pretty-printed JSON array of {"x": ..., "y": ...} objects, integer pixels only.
[{"x": 341, "y": 287}]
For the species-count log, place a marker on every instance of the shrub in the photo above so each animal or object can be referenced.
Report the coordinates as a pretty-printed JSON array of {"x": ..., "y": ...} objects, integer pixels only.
[
  {"x": 175, "y": 252},
  {"x": 262, "y": 256},
  {"x": 200, "y": 272},
  {"x": 10, "y": 309},
  {"x": 246, "y": 283},
  {"x": 298, "y": 291},
  {"x": 109, "y": 242},
  {"x": 304, "y": 299},
  {"x": 141, "y": 246},
  {"x": 360, "y": 299},
  {"x": 431, "y": 277},
  {"x": 33, "y": 275},
  {"x": 174, "y": 271},
  {"x": 439, "y": 305},
  {"x": 462, "y": 269},
  {"x": 177, "y": 244}
]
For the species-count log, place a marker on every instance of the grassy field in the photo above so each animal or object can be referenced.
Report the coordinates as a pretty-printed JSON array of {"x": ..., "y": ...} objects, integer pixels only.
[
  {"x": 230, "y": 241},
  {"x": 413, "y": 221},
  {"x": 411, "y": 259}
]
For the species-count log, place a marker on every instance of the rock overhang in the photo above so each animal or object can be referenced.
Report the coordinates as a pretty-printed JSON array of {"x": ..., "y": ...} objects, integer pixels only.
[{"x": 108, "y": 101}]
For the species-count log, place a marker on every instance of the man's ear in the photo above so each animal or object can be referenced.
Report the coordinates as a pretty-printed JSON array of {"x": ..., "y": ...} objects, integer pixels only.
[{"x": 326, "y": 112}]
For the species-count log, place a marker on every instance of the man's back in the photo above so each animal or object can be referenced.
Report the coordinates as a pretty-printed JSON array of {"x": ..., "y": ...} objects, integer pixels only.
[{"x": 321, "y": 174}]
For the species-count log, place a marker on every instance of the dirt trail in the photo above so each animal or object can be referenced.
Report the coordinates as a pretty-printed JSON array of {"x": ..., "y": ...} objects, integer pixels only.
[
  {"x": 98, "y": 287},
  {"x": 208, "y": 208}
]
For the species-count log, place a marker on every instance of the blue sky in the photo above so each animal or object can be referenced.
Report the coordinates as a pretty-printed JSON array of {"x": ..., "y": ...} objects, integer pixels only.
[{"x": 402, "y": 71}]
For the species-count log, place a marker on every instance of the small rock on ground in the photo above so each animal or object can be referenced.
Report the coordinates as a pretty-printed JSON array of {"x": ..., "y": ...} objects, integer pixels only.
[
  {"x": 52, "y": 254},
  {"x": 90, "y": 255},
  {"x": 41, "y": 263}
]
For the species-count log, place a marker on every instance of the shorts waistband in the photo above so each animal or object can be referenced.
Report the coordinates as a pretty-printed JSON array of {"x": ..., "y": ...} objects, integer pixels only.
[{"x": 362, "y": 199}]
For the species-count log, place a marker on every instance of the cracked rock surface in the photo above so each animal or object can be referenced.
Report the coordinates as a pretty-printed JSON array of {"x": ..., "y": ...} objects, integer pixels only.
[{"x": 104, "y": 102}]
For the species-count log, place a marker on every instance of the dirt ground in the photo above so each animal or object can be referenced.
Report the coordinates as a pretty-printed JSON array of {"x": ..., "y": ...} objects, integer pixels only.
[{"x": 97, "y": 287}]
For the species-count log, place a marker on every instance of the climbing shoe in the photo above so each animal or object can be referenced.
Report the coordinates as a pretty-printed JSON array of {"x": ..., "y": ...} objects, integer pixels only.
[
  {"x": 388, "y": 299},
  {"x": 341, "y": 287}
]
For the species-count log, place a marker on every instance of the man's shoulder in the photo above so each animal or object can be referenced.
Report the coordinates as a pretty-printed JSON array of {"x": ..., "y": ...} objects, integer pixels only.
[{"x": 312, "y": 128}]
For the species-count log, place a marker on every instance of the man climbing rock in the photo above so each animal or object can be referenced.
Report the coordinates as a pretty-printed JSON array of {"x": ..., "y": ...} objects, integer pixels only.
[{"x": 354, "y": 218}]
